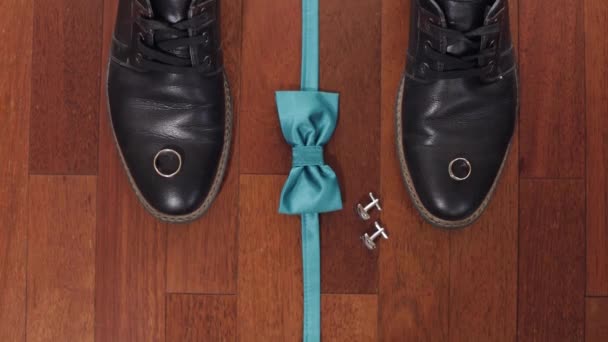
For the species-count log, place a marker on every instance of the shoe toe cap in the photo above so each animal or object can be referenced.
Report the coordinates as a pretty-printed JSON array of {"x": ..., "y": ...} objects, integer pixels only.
[
  {"x": 445, "y": 198},
  {"x": 181, "y": 194}
]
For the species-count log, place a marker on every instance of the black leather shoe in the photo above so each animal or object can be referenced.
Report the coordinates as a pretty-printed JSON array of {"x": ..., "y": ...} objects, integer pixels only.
[
  {"x": 456, "y": 107},
  {"x": 169, "y": 104}
]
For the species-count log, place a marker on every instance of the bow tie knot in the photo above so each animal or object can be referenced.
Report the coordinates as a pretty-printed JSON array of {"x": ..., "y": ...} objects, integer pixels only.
[{"x": 307, "y": 156}]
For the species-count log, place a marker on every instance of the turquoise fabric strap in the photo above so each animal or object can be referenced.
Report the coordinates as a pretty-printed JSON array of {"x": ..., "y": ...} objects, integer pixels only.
[
  {"x": 310, "y": 45},
  {"x": 308, "y": 119},
  {"x": 311, "y": 269}
]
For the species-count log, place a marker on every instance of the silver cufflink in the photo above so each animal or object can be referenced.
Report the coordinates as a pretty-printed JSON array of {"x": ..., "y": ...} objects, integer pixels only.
[
  {"x": 368, "y": 241},
  {"x": 363, "y": 211}
]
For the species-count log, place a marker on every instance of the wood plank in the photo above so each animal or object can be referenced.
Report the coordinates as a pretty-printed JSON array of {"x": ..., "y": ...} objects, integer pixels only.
[
  {"x": 414, "y": 278},
  {"x": 273, "y": 64},
  {"x": 15, "y": 91},
  {"x": 596, "y": 326},
  {"x": 201, "y": 318},
  {"x": 551, "y": 260},
  {"x": 268, "y": 65},
  {"x": 349, "y": 318},
  {"x": 483, "y": 260},
  {"x": 202, "y": 256},
  {"x": 347, "y": 266},
  {"x": 65, "y": 92},
  {"x": 596, "y": 59},
  {"x": 270, "y": 264},
  {"x": 552, "y": 100},
  {"x": 61, "y": 258},
  {"x": 483, "y": 268},
  {"x": 131, "y": 244}
]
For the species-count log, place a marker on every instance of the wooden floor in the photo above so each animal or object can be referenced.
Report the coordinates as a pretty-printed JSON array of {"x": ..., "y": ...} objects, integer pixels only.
[{"x": 80, "y": 260}]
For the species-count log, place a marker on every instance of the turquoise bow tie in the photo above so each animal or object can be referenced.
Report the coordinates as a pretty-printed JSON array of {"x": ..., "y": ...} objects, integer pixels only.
[{"x": 308, "y": 120}]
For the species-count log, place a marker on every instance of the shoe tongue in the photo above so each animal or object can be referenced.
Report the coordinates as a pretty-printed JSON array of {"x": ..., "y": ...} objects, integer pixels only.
[
  {"x": 172, "y": 11},
  {"x": 464, "y": 15}
]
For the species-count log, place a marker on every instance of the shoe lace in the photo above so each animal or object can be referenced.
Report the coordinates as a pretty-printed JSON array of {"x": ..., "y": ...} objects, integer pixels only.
[
  {"x": 163, "y": 52},
  {"x": 468, "y": 65}
]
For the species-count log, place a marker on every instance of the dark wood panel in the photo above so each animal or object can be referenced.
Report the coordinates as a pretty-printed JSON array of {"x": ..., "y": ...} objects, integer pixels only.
[
  {"x": 131, "y": 244},
  {"x": 596, "y": 326},
  {"x": 65, "y": 86},
  {"x": 270, "y": 264},
  {"x": 349, "y": 318},
  {"x": 353, "y": 153},
  {"x": 270, "y": 62},
  {"x": 552, "y": 89},
  {"x": 596, "y": 61},
  {"x": 414, "y": 262},
  {"x": 15, "y": 77},
  {"x": 201, "y": 318},
  {"x": 551, "y": 260},
  {"x": 483, "y": 261},
  {"x": 483, "y": 268},
  {"x": 202, "y": 256},
  {"x": 130, "y": 259},
  {"x": 61, "y": 258}
]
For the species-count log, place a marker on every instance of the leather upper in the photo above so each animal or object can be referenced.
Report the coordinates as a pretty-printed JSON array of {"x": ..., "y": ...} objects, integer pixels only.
[
  {"x": 464, "y": 117},
  {"x": 152, "y": 110}
]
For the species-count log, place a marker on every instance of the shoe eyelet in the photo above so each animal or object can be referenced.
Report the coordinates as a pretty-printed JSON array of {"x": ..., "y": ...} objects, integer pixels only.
[
  {"x": 492, "y": 44},
  {"x": 422, "y": 69},
  {"x": 205, "y": 13},
  {"x": 206, "y": 38},
  {"x": 139, "y": 58},
  {"x": 490, "y": 67},
  {"x": 207, "y": 60},
  {"x": 428, "y": 44}
]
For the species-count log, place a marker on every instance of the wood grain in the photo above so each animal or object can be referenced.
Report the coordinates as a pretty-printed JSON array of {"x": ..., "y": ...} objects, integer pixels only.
[
  {"x": 131, "y": 244},
  {"x": 268, "y": 65},
  {"x": 596, "y": 61},
  {"x": 596, "y": 326},
  {"x": 552, "y": 89},
  {"x": 483, "y": 261},
  {"x": 347, "y": 266},
  {"x": 202, "y": 256},
  {"x": 66, "y": 82},
  {"x": 349, "y": 318},
  {"x": 15, "y": 77},
  {"x": 61, "y": 259},
  {"x": 414, "y": 277},
  {"x": 193, "y": 318},
  {"x": 270, "y": 264},
  {"x": 551, "y": 261}
]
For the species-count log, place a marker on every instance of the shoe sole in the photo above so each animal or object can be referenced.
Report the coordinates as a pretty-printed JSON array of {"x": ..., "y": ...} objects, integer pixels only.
[
  {"x": 430, "y": 218},
  {"x": 219, "y": 174}
]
